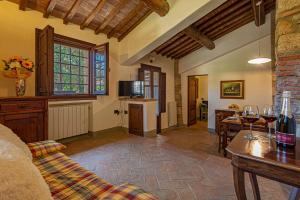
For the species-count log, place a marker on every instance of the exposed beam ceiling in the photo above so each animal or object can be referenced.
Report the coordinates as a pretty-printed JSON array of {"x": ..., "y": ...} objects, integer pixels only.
[
  {"x": 93, "y": 14},
  {"x": 224, "y": 19},
  {"x": 161, "y": 7},
  {"x": 115, "y": 18},
  {"x": 70, "y": 14},
  {"x": 50, "y": 8},
  {"x": 258, "y": 9},
  {"x": 110, "y": 16},
  {"x": 199, "y": 37}
]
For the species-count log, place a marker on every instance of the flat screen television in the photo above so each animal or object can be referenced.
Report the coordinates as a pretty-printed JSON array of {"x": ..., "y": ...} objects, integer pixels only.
[{"x": 131, "y": 88}]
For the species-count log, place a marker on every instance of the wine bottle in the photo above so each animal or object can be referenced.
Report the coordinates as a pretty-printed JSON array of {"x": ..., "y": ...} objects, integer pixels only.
[{"x": 286, "y": 123}]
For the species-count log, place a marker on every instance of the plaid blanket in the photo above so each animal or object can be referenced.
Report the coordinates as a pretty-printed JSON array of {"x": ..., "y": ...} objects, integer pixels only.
[
  {"x": 45, "y": 147},
  {"x": 68, "y": 180}
]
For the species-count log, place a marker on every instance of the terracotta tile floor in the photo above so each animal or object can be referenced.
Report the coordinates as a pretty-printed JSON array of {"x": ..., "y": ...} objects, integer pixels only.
[{"x": 179, "y": 164}]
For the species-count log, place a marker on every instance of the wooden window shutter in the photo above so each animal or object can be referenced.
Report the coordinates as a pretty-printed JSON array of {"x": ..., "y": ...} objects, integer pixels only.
[
  {"x": 141, "y": 75},
  {"x": 163, "y": 91},
  {"x": 44, "y": 61}
]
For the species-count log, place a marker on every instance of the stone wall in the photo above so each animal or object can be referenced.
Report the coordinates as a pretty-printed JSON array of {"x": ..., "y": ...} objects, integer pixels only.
[
  {"x": 287, "y": 38},
  {"x": 178, "y": 97}
]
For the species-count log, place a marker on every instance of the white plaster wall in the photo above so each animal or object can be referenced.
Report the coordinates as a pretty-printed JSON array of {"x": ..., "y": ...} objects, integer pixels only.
[
  {"x": 167, "y": 66},
  {"x": 234, "y": 66}
]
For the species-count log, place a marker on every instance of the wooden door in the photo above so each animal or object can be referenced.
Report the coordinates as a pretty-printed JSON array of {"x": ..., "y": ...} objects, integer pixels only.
[
  {"x": 192, "y": 100},
  {"x": 136, "y": 122}
]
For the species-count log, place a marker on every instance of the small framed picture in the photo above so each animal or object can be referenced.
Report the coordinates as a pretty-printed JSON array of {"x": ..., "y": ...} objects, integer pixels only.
[{"x": 232, "y": 89}]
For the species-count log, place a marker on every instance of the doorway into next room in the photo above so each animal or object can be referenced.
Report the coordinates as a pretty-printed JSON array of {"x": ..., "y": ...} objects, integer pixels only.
[{"x": 198, "y": 101}]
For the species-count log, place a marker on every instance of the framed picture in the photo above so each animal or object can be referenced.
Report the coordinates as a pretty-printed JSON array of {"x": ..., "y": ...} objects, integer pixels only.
[{"x": 232, "y": 89}]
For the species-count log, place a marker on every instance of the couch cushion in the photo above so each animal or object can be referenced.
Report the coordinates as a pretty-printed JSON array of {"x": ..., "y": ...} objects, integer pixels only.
[
  {"x": 8, "y": 135},
  {"x": 43, "y": 148},
  {"x": 127, "y": 192},
  {"x": 20, "y": 179},
  {"x": 68, "y": 180}
]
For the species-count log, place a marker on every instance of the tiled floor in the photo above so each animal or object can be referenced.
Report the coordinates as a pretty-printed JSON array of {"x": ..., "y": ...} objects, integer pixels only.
[{"x": 180, "y": 164}]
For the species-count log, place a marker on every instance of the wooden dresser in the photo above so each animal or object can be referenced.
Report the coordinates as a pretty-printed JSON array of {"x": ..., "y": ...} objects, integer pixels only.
[{"x": 26, "y": 116}]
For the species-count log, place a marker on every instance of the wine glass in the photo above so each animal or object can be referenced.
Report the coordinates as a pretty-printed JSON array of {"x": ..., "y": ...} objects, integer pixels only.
[
  {"x": 269, "y": 115},
  {"x": 250, "y": 115}
]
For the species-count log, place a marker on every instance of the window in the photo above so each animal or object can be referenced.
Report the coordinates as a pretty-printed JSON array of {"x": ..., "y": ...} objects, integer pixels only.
[
  {"x": 71, "y": 70},
  {"x": 69, "y": 67},
  {"x": 100, "y": 84}
]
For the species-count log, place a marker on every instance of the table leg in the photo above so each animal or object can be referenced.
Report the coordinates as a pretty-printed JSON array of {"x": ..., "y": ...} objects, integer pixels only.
[
  {"x": 225, "y": 141},
  {"x": 239, "y": 183},
  {"x": 255, "y": 187},
  {"x": 295, "y": 194}
]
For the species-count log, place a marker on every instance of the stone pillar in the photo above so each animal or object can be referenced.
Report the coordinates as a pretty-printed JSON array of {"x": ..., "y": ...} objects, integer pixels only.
[
  {"x": 287, "y": 45},
  {"x": 178, "y": 97}
]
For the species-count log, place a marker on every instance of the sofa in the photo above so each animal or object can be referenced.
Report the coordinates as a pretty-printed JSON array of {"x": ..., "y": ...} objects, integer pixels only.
[{"x": 41, "y": 171}]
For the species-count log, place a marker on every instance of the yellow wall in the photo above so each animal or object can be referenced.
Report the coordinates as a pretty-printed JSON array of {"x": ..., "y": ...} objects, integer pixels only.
[{"x": 17, "y": 37}]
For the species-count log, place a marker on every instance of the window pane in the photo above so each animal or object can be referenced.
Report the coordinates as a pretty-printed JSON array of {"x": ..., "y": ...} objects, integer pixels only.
[
  {"x": 75, "y": 52},
  {"x": 56, "y": 57},
  {"x": 156, "y": 78},
  {"x": 65, "y": 69},
  {"x": 71, "y": 70},
  {"x": 56, "y": 48},
  {"x": 74, "y": 60},
  {"x": 74, "y": 69},
  {"x": 84, "y": 62},
  {"x": 65, "y": 58},
  {"x": 66, "y": 78},
  {"x": 56, "y": 67},
  {"x": 56, "y": 78},
  {"x": 65, "y": 49}
]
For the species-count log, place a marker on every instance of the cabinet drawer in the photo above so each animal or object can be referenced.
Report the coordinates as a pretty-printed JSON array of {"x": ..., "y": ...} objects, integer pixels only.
[{"x": 20, "y": 106}]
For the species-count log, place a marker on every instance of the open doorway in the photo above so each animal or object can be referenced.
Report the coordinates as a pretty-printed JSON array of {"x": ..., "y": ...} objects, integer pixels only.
[{"x": 198, "y": 100}]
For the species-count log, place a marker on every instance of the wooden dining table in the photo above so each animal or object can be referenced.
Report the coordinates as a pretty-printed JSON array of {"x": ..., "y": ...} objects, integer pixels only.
[
  {"x": 264, "y": 158},
  {"x": 235, "y": 124}
]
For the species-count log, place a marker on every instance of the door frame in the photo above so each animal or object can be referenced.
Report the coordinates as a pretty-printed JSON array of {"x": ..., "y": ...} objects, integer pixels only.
[{"x": 188, "y": 94}]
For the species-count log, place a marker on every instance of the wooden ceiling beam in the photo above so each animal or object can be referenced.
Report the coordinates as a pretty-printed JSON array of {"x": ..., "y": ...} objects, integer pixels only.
[
  {"x": 228, "y": 18},
  {"x": 182, "y": 48},
  {"x": 161, "y": 7},
  {"x": 23, "y": 4},
  {"x": 126, "y": 19},
  {"x": 232, "y": 27},
  {"x": 174, "y": 44},
  {"x": 229, "y": 23},
  {"x": 216, "y": 11},
  {"x": 121, "y": 37},
  {"x": 186, "y": 51},
  {"x": 70, "y": 14},
  {"x": 169, "y": 42},
  {"x": 258, "y": 9},
  {"x": 223, "y": 15},
  {"x": 49, "y": 8},
  {"x": 184, "y": 43},
  {"x": 111, "y": 15},
  {"x": 199, "y": 37},
  {"x": 93, "y": 14}
]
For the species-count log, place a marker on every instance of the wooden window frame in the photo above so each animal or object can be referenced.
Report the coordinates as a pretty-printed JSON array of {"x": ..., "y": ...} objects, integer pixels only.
[{"x": 71, "y": 42}]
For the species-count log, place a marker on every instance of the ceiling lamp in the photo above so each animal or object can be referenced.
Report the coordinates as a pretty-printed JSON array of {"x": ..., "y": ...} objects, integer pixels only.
[{"x": 259, "y": 59}]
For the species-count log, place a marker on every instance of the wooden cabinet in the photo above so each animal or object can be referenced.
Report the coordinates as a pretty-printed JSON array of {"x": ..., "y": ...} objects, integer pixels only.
[
  {"x": 136, "y": 122},
  {"x": 27, "y": 117}
]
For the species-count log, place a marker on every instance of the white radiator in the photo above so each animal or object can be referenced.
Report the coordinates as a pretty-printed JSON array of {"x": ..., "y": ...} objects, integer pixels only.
[
  {"x": 172, "y": 113},
  {"x": 67, "y": 120}
]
